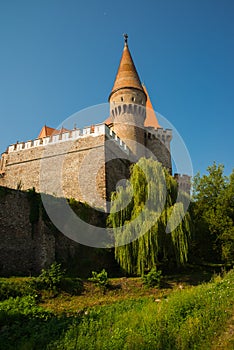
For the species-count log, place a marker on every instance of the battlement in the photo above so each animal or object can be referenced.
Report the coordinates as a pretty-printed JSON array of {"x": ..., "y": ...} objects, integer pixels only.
[
  {"x": 181, "y": 177},
  {"x": 164, "y": 135},
  {"x": 70, "y": 135},
  {"x": 184, "y": 182},
  {"x": 110, "y": 134}
]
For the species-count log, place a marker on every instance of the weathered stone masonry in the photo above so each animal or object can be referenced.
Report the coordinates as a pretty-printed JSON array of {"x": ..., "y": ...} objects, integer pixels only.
[
  {"x": 26, "y": 247},
  {"x": 23, "y": 251},
  {"x": 73, "y": 166}
]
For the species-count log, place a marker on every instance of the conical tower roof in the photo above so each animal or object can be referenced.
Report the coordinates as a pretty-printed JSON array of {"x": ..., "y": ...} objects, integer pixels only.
[
  {"x": 127, "y": 76},
  {"x": 151, "y": 118}
]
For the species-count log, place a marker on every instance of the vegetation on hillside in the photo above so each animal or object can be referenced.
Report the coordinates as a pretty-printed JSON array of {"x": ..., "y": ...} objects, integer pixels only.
[
  {"x": 179, "y": 318},
  {"x": 53, "y": 311}
]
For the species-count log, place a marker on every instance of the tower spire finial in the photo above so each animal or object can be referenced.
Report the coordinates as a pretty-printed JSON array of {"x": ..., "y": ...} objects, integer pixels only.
[
  {"x": 125, "y": 38},
  {"x": 127, "y": 76}
]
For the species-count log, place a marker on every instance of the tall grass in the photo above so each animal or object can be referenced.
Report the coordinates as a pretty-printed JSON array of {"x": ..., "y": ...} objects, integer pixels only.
[{"x": 190, "y": 318}]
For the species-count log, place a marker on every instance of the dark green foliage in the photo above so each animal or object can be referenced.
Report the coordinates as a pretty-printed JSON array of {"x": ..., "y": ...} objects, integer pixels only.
[
  {"x": 73, "y": 286},
  {"x": 101, "y": 279},
  {"x": 25, "y": 325},
  {"x": 50, "y": 279},
  {"x": 151, "y": 196},
  {"x": 152, "y": 278},
  {"x": 19, "y": 307},
  {"x": 14, "y": 289},
  {"x": 213, "y": 215},
  {"x": 53, "y": 280}
]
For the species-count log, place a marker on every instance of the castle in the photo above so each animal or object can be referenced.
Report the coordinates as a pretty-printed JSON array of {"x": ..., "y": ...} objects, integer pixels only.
[{"x": 90, "y": 162}]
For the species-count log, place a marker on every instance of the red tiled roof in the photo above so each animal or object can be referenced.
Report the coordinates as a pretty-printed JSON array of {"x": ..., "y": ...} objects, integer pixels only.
[
  {"x": 151, "y": 118},
  {"x": 127, "y": 75},
  {"x": 47, "y": 131}
]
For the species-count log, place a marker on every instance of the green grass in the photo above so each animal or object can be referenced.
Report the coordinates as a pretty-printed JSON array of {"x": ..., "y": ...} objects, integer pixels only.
[
  {"x": 187, "y": 319},
  {"x": 127, "y": 317}
]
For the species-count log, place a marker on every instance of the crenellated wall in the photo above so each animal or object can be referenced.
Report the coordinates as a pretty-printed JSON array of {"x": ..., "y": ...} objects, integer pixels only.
[
  {"x": 184, "y": 182},
  {"x": 70, "y": 164},
  {"x": 158, "y": 141},
  {"x": 75, "y": 134},
  {"x": 82, "y": 164}
]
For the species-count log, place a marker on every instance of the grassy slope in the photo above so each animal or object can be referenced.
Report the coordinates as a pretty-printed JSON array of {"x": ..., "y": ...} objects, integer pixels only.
[
  {"x": 121, "y": 289},
  {"x": 128, "y": 316},
  {"x": 187, "y": 318}
]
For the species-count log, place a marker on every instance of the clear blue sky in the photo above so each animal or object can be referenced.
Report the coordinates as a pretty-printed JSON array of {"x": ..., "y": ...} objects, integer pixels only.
[{"x": 60, "y": 56}]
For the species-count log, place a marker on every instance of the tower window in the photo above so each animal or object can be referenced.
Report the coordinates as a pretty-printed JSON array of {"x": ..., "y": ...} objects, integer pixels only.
[
  {"x": 133, "y": 99},
  {"x": 121, "y": 98}
]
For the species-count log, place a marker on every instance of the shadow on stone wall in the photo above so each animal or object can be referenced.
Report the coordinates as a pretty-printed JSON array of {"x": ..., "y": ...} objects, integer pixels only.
[{"x": 29, "y": 241}]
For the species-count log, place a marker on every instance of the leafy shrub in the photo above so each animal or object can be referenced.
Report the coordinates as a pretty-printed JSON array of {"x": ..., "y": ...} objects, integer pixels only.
[
  {"x": 51, "y": 278},
  {"x": 153, "y": 278},
  {"x": 16, "y": 309},
  {"x": 25, "y": 325},
  {"x": 15, "y": 289},
  {"x": 101, "y": 279}
]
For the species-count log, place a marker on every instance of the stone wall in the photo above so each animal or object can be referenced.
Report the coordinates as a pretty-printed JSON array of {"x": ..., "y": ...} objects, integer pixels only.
[
  {"x": 158, "y": 141},
  {"x": 75, "y": 168},
  {"x": 117, "y": 167},
  {"x": 82, "y": 165},
  {"x": 26, "y": 248},
  {"x": 56, "y": 169}
]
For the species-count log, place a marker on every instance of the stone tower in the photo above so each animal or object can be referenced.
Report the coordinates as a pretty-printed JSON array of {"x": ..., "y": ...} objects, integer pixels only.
[{"x": 127, "y": 104}]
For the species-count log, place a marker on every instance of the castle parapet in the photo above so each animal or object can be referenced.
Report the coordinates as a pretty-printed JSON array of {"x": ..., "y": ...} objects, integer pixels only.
[
  {"x": 164, "y": 135},
  {"x": 184, "y": 182},
  {"x": 110, "y": 134},
  {"x": 71, "y": 135}
]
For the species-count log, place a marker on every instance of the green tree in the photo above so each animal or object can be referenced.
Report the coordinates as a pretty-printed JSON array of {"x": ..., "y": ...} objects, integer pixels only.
[
  {"x": 213, "y": 214},
  {"x": 140, "y": 214}
]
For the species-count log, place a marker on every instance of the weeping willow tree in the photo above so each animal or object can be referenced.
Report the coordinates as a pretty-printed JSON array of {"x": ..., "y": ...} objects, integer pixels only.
[{"x": 150, "y": 224}]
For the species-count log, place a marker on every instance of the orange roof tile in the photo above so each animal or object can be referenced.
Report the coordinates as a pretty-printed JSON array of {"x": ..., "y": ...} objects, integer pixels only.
[
  {"x": 46, "y": 131},
  {"x": 151, "y": 118},
  {"x": 127, "y": 75},
  {"x": 60, "y": 131},
  {"x": 109, "y": 120}
]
